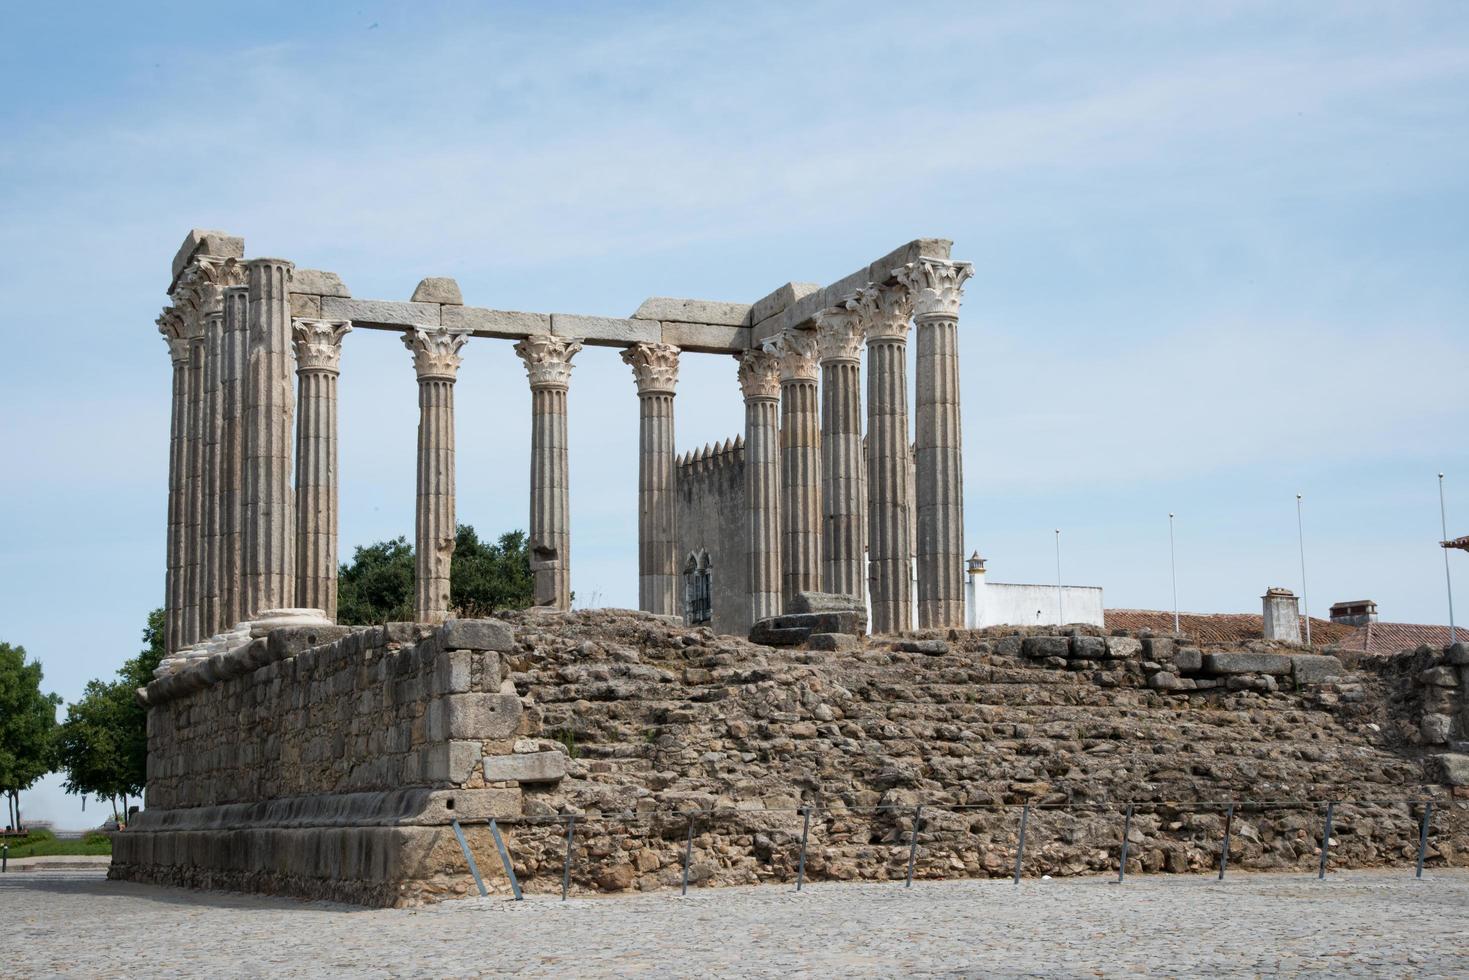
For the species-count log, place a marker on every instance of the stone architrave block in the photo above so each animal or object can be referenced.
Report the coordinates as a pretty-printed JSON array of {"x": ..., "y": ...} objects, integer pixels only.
[
  {"x": 1123, "y": 647},
  {"x": 606, "y": 331},
  {"x": 380, "y": 313},
  {"x": 529, "y": 767},
  {"x": 317, "y": 283},
  {"x": 694, "y": 311},
  {"x": 706, "y": 338},
  {"x": 772, "y": 303},
  {"x": 1314, "y": 668},
  {"x": 1088, "y": 647},
  {"x": 477, "y": 634},
  {"x": 507, "y": 324},
  {"x": 1047, "y": 646},
  {"x": 438, "y": 289},
  {"x": 481, "y": 716},
  {"x": 1247, "y": 663},
  {"x": 305, "y": 305}
]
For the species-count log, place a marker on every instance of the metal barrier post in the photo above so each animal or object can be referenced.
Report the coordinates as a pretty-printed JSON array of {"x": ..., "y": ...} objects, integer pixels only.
[
  {"x": 1020, "y": 850},
  {"x": 913, "y": 846},
  {"x": 1126, "y": 830},
  {"x": 1224, "y": 851},
  {"x": 473, "y": 868},
  {"x": 1325, "y": 841},
  {"x": 566, "y": 868},
  {"x": 1423, "y": 837},
  {"x": 805, "y": 831},
  {"x": 505, "y": 860},
  {"x": 688, "y": 857}
]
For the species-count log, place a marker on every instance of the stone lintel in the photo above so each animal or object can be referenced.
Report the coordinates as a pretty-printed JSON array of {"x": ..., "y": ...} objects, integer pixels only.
[
  {"x": 799, "y": 313},
  {"x": 380, "y": 313},
  {"x": 772, "y": 303},
  {"x": 707, "y": 338},
  {"x": 604, "y": 331},
  {"x": 200, "y": 241},
  {"x": 694, "y": 311},
  {"x": 316, "y": 282}
]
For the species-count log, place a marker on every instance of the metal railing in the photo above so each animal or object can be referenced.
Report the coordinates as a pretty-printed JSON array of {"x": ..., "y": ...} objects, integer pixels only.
[{"x": 710, "y": 817}]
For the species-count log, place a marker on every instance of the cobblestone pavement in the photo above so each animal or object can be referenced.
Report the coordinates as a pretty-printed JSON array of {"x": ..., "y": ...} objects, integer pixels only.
[{"x": 1353, "y": 924}]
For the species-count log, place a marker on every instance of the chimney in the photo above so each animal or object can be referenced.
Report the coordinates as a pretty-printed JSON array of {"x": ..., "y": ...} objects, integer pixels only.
[
  {"x": 974, "y": 617},
  {"x": 1282, "y": 615},
  {"x": 1354, "y": 612}
]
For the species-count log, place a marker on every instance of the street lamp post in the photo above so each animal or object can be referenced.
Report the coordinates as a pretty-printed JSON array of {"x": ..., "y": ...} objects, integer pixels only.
[
  {"x": 1301, "y": 538},
  {"x": 1173, "y": 571},
  {"x": 1060, "y": 604},
  {"x": 1448, "y": 581}
]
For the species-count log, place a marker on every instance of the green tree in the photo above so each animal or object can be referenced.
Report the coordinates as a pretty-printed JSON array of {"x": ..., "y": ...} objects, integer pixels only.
[
  {"x": 103, "y": 744},
  {"x": 377, "y": 585},
  {"x": 27, "y": 727}
]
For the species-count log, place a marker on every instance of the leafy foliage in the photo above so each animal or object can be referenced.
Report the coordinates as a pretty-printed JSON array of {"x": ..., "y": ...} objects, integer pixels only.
[
  {"x": 377, "y": 585},
  {"x": 27, "y": 726}
]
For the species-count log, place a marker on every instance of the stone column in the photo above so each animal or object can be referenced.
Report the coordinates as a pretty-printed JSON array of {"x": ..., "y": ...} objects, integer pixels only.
[
  {"x": 843, "y": 505},
  {"x": 232, "y": 452},
  {"x": 800, "y": 464},
  {"x": 885, "y": 312},
  {"x": 171, "y": 325},
  {"x": 194, "y": 493},
  {"x": 209, "y": 493},
  {"x": 939, "y": 467},
  {"x": 269, "y": 530},
  {"x": 760, "y": 382},
  {"x": 655, "y": 367},
  {"x": 548, "y": 365},
  {"x": 318, "y": 345},
  {"x": 436, "y": 359}
]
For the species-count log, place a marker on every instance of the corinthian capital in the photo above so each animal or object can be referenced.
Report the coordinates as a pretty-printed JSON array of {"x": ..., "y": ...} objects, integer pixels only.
[
  {"x": 220, "y": 272},
  {"x": 318, "y": 343},
  {"x": 796, "y": 351},
  {"x": 936, "y": 286},
  {"x": 885, "y": 311},
  {"x": 547, "y": 360},
  {"x": 435, "y": 351},
  {"x": 759, "y": 374},
  {"x": 839, "y": 334},
  {"x": 171, "y": 326},
  {"x": 654, "y": 366}
]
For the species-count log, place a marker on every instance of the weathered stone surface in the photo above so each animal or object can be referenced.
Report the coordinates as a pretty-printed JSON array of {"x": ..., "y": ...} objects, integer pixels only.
[
  {"x": 380, "y": 313},
  {"x": 822, "y": 602},
  {"x": 1439, "y": 677},
  {"x": 1164, "y": 681},
  {"x": 1123, "y": 647},
  {"x": 707, "y": 338},
  {"x": 1247, "y": 663},
  {"x": 1314, "y": 668},
  {"x": 842, "y": 642},
  {"x": 934, "y": 648},
  {"x": 694, "y": 311},
  {"x": 1187, "y": 659},
  {"x": 1434, "y": 728},
  {"x": 1047, "y": 646},
  {"x": 480, "y": 715},
  {"x": 476, "y": 634},
  {"x": 1159, "y": 648},
  {"x": 780, "y": 299},
  {"x": 1453, "y": 768},
  {"x": 1458, "y": 654},
  {"x": 1088, "y": 647},
  {"x": 200, "y": 241},
  {"x": 525, "y": 767},
  {"x": 507, "y": 324},
  {"x": 315, "y": 282},
  {"x": 606, "y": 331},
  {"x": 438, "y": 289},
  {"x": 767, "y": 632}
]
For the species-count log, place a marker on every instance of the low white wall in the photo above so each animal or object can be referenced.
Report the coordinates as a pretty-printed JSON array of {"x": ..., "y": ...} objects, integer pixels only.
[{"x": 1007, "y": 604}]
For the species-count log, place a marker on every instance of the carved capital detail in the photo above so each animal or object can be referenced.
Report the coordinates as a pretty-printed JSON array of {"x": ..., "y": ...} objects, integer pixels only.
[
  {"x": 839, "y": 334},
  {"x": 547, "y": 360},
  {"x": 435, "y": 351},
  {"x": 796, "y": 351},
  {"x": 654, "y": 366},
  {"x": 759, "y": 374},
  {"x": 318, "y": 343},
  {"x": 936, "y": 285},
  {"x": 885, "y": 311},
  {"x": 171, "y": 327}
]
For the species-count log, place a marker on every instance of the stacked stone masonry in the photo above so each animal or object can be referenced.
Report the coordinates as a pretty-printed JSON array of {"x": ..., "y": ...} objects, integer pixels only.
[{"x": 332, "y": 769}]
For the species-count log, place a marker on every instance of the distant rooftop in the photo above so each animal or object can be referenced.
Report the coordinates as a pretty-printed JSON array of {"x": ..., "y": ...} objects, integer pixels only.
[{"x": 1375, "y": 638}]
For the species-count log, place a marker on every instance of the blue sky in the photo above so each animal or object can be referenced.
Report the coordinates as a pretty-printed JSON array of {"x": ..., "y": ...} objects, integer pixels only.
[{"x": 1219, "y": 252}]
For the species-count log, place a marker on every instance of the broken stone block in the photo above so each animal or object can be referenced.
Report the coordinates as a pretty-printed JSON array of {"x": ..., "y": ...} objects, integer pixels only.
[
  {"x": 1247, "y": 663},
  {"x": 933, "y": 648},
  {"x": 1088, "y": 647},
  {"x": 768, "y": 633},
  {"x": 1453, "y": 768},
  {"x": 1123, "y": 647},
  {"x": 477, "y": 634},
  {"x": 1164, "y": 681},
  {"x": 438, "y": 289},
  {"x": 1047, "y": 646},
  {"x": 1188, "y": 659},
  {"x": 1158, "y": 647},
  {"x": 479, "y": 715},
  {"x": 1314, "y": 668},
  {"x": 818, "y": 602},
  {"x": 1458, "y": 654},
  {"x": 1435, "y": 728},
  {"x": 836, "y": 642},
  {"x": 1439, "y": 677},
  {"x": 532, "y": 767}
]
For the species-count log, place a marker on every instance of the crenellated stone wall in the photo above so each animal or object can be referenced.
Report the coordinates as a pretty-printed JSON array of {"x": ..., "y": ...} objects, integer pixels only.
[{"x": 712, "y": 521}]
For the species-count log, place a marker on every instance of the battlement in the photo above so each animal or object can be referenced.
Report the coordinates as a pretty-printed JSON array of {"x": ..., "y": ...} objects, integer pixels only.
[{"x": 714, "y": 456}]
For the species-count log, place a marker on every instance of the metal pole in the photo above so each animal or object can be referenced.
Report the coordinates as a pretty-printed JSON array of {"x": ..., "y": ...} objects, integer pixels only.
[
  {"x": 1060, "y": 605},
  {"x": 1423, "y": 837},
  {"x": 469, "y": 857},
  {"x": 1224, "y": 851},
  {"x": 566, "y": 868},
  {"x": 1173, "y": 570},
  {"x": 5, "y": 858},
  {"x": 1301, "y": 538},
  {"x": 1020, "y": 850},
  {"x": 1448, "y": 582},
  {"x": 1325, "y": 841},
  {"x": 688, "y": 857},
  {"x": 1126, "y": 830},
  {"x": 913, "y": 846},
  {"x": 505, "y": 860},
  {"x": 805, "y": 831}
]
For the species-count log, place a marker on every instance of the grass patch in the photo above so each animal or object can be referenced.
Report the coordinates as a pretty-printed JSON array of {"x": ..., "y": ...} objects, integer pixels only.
[{"x": 43, "y": 843}]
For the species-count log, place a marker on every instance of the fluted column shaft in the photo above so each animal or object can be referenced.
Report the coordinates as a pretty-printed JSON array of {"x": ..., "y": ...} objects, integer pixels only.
[
  {"x": 800, "y": 465},
  {"x": 889, "y": 499},
  {"x": 234, "y": 354},
  {"x": 843, "y": 502},
  {"x": 169, "y": 324},
  {"x": 209, "y": 520},
  {"x": 269, "y": 529},
  {"x": 194, "y": 496},
  {"x": 318, "y": 346},
  {"x": 436, "y": 360},
  {"x": 548, "y": 366},
  {"x": 655, "y": 368},
  {"x": 939, "y": 473},
  {"x": 760, "y": 382}
]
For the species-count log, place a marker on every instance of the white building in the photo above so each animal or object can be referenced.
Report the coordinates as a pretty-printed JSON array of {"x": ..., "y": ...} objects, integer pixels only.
[{"x": 1009, "y": 604}]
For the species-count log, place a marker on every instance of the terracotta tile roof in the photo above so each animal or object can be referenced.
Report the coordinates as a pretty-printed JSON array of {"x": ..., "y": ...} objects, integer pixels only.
[{"x": 1383, "y": 638}]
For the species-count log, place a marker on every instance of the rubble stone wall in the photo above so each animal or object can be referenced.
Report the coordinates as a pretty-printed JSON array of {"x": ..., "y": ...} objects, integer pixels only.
[{"x": 641, "y": 727}]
